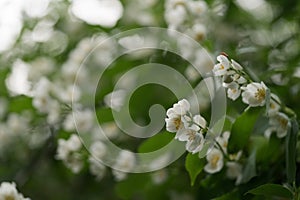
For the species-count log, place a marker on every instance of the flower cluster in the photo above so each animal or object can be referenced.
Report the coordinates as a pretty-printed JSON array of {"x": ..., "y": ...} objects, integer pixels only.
[
  {"x": 218, "y": 157},
  {"x": 8, "y": 191},
  {"x": 69, "y": 152},
  {"x": 254, "y": 94},
  {"x": 192, "y": 129},
  {"x": 187, "y": 16},
  {"x": 188, "y": 128}
]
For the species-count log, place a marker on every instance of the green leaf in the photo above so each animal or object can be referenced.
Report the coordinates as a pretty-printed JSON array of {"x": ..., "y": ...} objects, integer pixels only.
[
  {"x": 272, "y": 190},
  {"x": 20, "y": 103},
  {"x": 290, "y": 146},
  {"x": 249, "y": 170},
  {"x": 194, "y": 165},
  {"x": 229, "y": 196},
  {"x": 132, "y": 186},
  {"x": 156, "y": 142},
  {"x": 241, "y": 129},
  {"x": 267, "y": 150}
]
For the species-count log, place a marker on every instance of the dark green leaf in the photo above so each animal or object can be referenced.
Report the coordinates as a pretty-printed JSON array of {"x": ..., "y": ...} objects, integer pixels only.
[
  {"x": 266, "y": 149},
  {"x": 241, "y": 129},
  {"x": 132, "y": 186},
  {"x": 272, "y": 190},
  {"x": 194, "y": 165},
  {"x": 291, "y": 143},
  {"x": 229, "y": 196}
]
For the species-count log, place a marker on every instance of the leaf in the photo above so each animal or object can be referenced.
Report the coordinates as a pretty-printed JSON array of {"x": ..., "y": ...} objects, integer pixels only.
[
  {"x": 241, "y": 129},
  {"x": 249, "y": 170},
  {"x": 20, "y": 103},
  {"x": 229, "y": 196},
  {"x": 132, "y": 186},
  {"x": 156, "y": 142},
  {"x": 272, "y": 190},
  {"x": 290, "y": 146},
  {"x": 194, "y": 165}
]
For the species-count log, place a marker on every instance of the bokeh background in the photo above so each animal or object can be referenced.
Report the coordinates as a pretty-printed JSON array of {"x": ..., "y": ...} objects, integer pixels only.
[{"x": 44, "y": 42}]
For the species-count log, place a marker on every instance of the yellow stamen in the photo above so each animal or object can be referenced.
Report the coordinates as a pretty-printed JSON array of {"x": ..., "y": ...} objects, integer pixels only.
[
  {"x": 260, "y": 94},
  {"x": 214, "y": 160}
]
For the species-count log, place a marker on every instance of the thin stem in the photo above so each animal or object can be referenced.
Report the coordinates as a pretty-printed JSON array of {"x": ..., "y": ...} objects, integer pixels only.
[{"x": 220, "y": 147}]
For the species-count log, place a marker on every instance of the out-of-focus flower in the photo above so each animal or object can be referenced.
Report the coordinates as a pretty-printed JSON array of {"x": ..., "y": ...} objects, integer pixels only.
[
  {"x": 215, "y": 161},
  {"x": 280, "y": 124},
  {"x": 124, "y": 163},
  {"x": 254, "y": 94},
  {"x": 96, "y": 168},
  {"x": 233, "y": 91},
  {"x": 8, "y": 191},
  {"x": 115, "y": 99},
  {"x": 234, "y": 171},
  {"x": 160, "y": 176},
  {"x": 17, "y": 81},
  {"x": 274, "y": 106},
  {"x": 68, "y": 152},
  {"x": 105, "y": 13},
  {"x": 223, "y": 140},
  {"x": 81, "y": 120},
  {"x": 98, "y": 151}
]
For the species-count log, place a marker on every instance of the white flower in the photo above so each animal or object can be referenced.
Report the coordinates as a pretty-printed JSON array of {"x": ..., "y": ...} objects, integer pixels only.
[
  {"x": 68, "y": 152},
  {"x": 196, "y": 123},
  {"x": 199, "y": 32},
  {"x": 115, "y": 100},
  {"x": 160, "y": 162},
  {"x": 236, "y": 156},
  {"x": 280, "y": 124},
  {"x": 81, "y": 121},
  {"x": 8, "y": 191},
  {"x": 222, "y": 67},
  {"x": 100, "y": 12},
  {"x": 215, "y": 161},
  {"x": 274, "y": 107},
  {"x": 96, "y": 168},
  {"x": 174, "y": 114},
  {"x": 17, "y": 124},
  {"x": 234, "y": 171},
  {"x": 197, "y": 7},
  {"x": 65, "y": 147},
  {"x": 195, "y": 142},
  {"x": 98, "y": 149},
  {"x": 176, "y": 16},
  {"x": 159, "y": 176},
  {"x": 236, "y": 65},
  {"x": 125, "y": 162},
  {"x": 238, "y": 78},
  {"x": 68, "y": 94},
  {"x": 254, "y": 94},
  {"x": 223, "y": 140},
  {"x": 233, "y": 91}
]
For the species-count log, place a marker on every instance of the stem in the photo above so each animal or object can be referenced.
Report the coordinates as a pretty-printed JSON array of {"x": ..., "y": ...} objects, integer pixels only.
[{"x": 220, "y": 147}]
